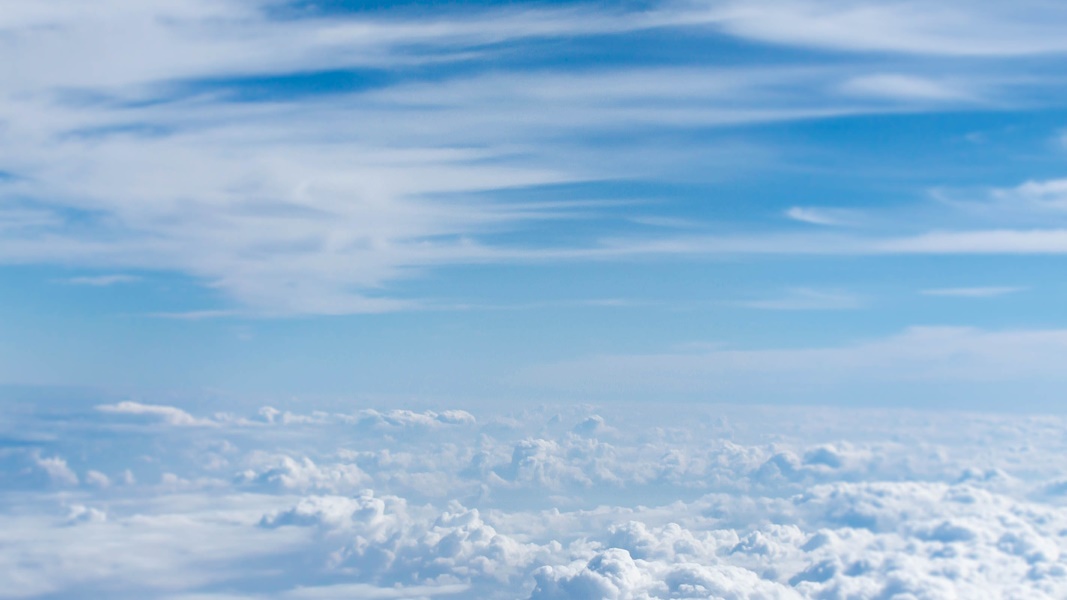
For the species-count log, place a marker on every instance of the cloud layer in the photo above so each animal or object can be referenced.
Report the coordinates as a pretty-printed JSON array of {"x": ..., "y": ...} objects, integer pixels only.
[{"x": 547, "y": 502}]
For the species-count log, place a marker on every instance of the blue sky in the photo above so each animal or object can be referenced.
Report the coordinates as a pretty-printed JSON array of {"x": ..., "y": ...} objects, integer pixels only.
[{"x": 842, "y": 202}]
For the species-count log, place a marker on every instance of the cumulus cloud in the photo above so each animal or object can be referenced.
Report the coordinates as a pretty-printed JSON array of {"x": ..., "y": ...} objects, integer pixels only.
[
  {"x": 85, "y": 514},
  {"x": 96, "y": 478},
  {"x": 288, "y": 473},
  {"x": 614, "y": 575},
  {"x": 686, "y": 501},
  {"x": 388, "y": 543},
  {"x": 57, "y": 470},
  {"x": 400, "y": 419}
]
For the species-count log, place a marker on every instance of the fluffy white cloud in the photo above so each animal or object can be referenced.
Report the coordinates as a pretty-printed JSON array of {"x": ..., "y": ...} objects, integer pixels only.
[
  {"x": 387, "y": 542},
  {"x": 288, "y": 473},
  {"x": 57, "y": 470},
  {"x": 614, "y": 575},
  {"x": 691, "y": 502}
]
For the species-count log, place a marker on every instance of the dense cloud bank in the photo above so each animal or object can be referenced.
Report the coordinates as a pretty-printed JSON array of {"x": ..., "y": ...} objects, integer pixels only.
[{"x": 135, "y": 499}]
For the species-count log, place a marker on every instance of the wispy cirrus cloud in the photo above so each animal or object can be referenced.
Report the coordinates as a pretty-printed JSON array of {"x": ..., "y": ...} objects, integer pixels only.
[
  {"x": 955, "y": 28},
  {"x": 137, "y": 150},
  {"x": 807, "y": 299},
  {"x": 973, "y": 292},
  {"x": 821, "y": 216},
  {"x": 905, "y": 86},
  {"x": 102, "y": 280}
]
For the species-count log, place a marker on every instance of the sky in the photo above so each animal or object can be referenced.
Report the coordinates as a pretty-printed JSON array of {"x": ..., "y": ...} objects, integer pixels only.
[
  {"x": 651, "y": 300},
  {"x": 845, "y": 202}
]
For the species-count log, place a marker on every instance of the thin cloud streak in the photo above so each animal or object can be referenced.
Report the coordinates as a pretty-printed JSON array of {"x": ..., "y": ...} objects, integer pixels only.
[
  {"x": 953, "y": 28},
  {"x": 821, "y": 216},
  {"x": 916, "y": 354},
  {"x": 807, "y": 299},
  {"x": 101, "y": 280},
  {"x": 973, "y": 292}
]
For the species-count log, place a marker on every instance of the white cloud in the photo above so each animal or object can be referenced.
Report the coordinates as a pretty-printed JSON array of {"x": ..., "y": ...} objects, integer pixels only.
[
  {"x": 361, "y": 590},
  {"x": 917, "y": 354},
  {"x": 102, "y": 280},
  {"x": 57, "y": 470},
  {"x": 905, "y": 87},
  {"x": 1048, "y": 194},
  {"x": 287, "y": 473},
  {"x": 121, "y": 163},
  {"x": 168, "y": 414},
  {"x": 391, "y": 544},
  {"x": 974, "y": 292},
  {"x": 1034, "y": 241},
  {"x": 614, "y": 575},
  {"x": 998, "y": 241},
  {"x": 807, "y": 299},
  {"x": 97, "y": 479},
  {"x": 955, "y": 28},
  {"x": 400, "y": 418},
  {"x": 1034, "y": 204},
  {"x": 820, "y": 216},
  {"x": 687, "y": 501},
  {"x": 85, "y": 514}
]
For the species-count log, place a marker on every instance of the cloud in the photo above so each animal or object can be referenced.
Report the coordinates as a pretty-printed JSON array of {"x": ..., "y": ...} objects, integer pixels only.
[
  {"x": 820, "y": 216},
  {"x": 383, "y": 515},
  {"x": 85, "y": 514},
  {"x": 57, "y": 470},
  {"x": 997, "y": 241},
  {"x": 614, "y": 575},
  {"x": 1035, "y": 241},
  {"x": 168, "y": 414},
  {"x": 807, "y": 299},
  {"x": 1049, "y": 194},
  {"x": 690, "y": 500},
  {"x": 955, "y": 28},
  {"x": 362, "y": 590},
  {"x": 917, "y": 354},
  {"x": 98, "y": 479},
  {"x": 285, "y": 472},
  {"x": 905, "y": 87},
  {"x": 400, "y": 418},
  {"x": 973, "y": 292},
  {"x": 390, "y": 544},
  {"x": 146, "y": 150},
  {"x": 102, "y": 280},
  {"x": 1035, "y": 204}
]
